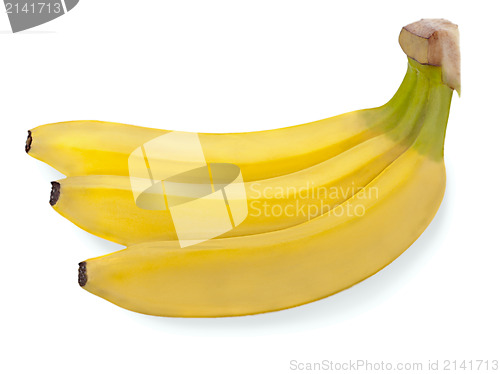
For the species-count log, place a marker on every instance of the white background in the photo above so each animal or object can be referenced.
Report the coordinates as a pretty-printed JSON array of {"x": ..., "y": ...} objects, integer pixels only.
[{"x": 220, "y": 66}]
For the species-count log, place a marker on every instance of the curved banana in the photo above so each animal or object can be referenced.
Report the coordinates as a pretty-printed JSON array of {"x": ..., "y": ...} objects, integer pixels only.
[
  {"x": 306, "y": 262},
  {"x": 93, "y": 147},
  {"x": 282, "y": 269},
  {"x": 105, "y": 205}
]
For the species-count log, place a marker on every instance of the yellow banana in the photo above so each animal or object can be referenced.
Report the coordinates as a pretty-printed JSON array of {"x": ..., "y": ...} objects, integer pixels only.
[
  {"x": 285, "y": 268},
  {"x": 105, "y": 205},
  {"x": 93, "y": 147}
]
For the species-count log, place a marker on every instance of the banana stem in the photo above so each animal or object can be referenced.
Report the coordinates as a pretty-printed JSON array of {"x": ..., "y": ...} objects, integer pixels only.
[
  {"x": 434, "y": 42},
  {"x": 431, "y": 138}
]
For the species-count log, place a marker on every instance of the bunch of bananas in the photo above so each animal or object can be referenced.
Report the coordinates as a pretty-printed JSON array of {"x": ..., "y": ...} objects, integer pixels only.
[{"x": 325, "y": 204}]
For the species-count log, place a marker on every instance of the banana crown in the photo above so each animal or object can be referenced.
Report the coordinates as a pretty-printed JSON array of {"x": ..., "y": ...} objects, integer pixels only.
[{"x": 434, "y": 42}]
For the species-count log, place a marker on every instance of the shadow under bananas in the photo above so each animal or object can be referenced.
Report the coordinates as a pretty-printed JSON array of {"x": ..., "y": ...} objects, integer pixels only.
[{"x": 345, "y": 305}]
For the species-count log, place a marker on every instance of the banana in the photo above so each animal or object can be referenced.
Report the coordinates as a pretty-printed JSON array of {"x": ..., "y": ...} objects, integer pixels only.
[
  {"x": 309, "y": 261},
  {"x": 79, "y": 148},
  {"x": 104, "y": 205}
]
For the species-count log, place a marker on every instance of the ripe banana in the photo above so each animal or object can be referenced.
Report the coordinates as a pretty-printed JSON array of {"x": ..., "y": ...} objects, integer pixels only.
[
  {"x": 92, "y": 147},
  {"x": 288, "y": 267},
  {"x": 104, "y": 205}
]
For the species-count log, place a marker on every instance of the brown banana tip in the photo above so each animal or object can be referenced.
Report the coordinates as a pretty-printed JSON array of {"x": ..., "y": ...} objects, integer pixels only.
[
  {"x": 27, "y": 147},
  {"x": 55, "y": 193},
  {"x": 82, "y": 273}
]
